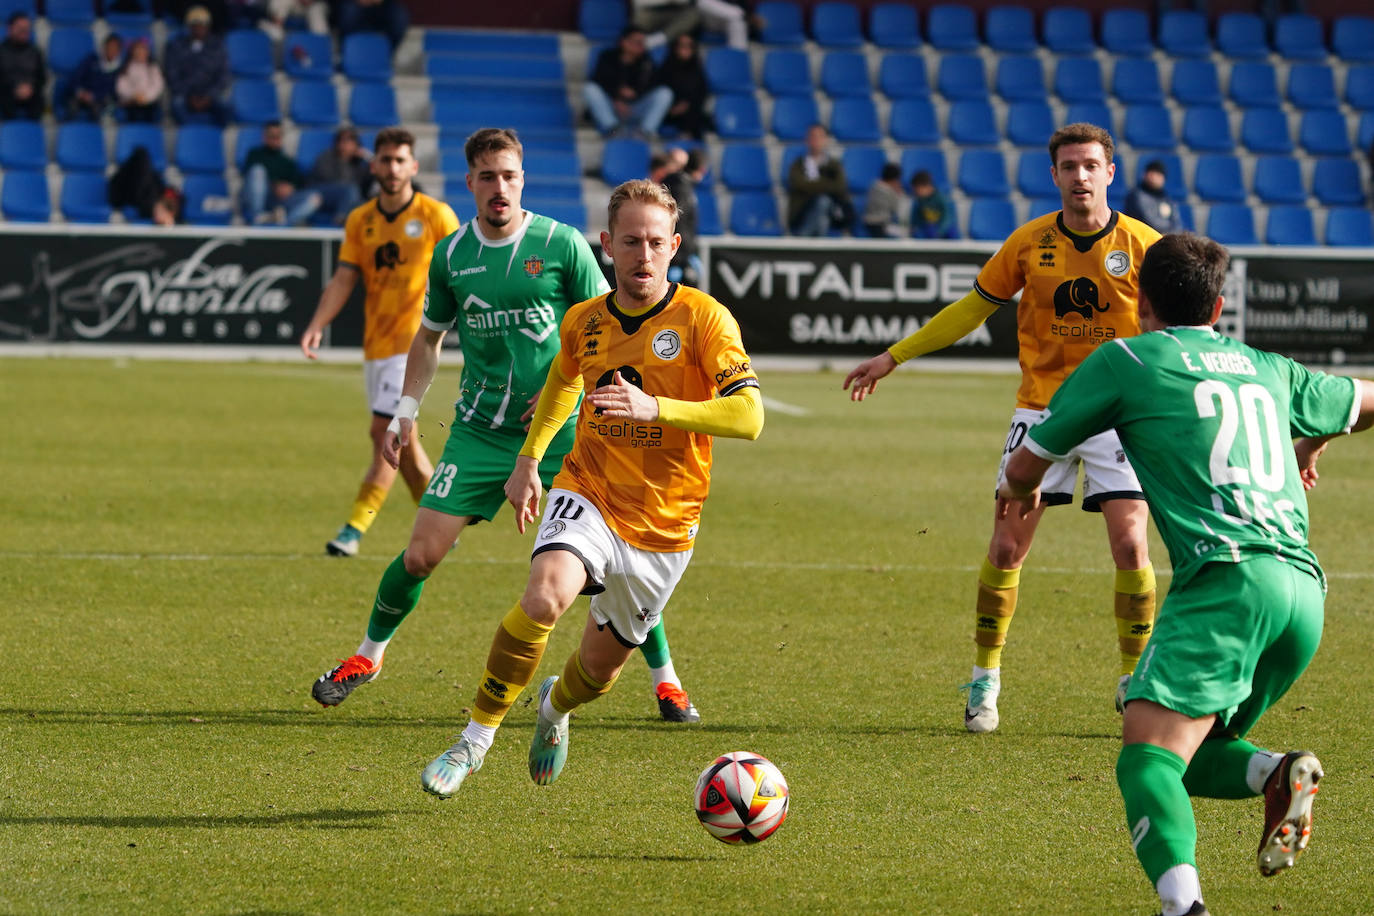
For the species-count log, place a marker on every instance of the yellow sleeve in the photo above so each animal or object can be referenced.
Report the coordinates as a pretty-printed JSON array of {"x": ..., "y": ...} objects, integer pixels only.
[
  {"x": 351, "y": 251},
  {"x": 738, "y": 415},
  {"x": 556, "y": 403},
  {"x": 949, "y": 325}
]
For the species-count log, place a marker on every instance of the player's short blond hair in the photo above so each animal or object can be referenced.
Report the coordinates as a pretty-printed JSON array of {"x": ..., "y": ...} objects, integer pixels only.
[
  {"x": 641, "y": 191},
  {"x": 1082, "y": 132},
  {"x": 492, "y": 140}
]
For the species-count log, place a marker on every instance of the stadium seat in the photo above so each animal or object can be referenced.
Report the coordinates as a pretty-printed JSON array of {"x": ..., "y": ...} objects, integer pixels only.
[
  {"x": 1298, "y": 36},
  {"x": 708, "y": 213},
  {"x": 1135, "y": 81},
  {"x": 1289, "y": 225},
  {"x": 1352, "y": 38},
  {"x": 793, "y": 114},
  {"x": 913, "y": 121},
  {"x": 1359, "y": 88},
  {"x": 1068, "y": 30},
  {"x": 917, "y": 159},
  {"x": 862, "y": 166},
  {"x": 961, "y": 76},
  {"x": 84, "y": 198},
  {"x": 81, "y": 147},
  {"x": 1312, "y": 86},
  {"x": 1174, "y": 179},
  {"x": 790, "y": 154},
  {"x": 601, "y": 20},
  {"x": 315, "y": 104},
  {"x": 373, "y": 105},
  {"x": 1278, "y": 180},
  {"x": 1241, "y": 36},
  {"x": 754, "y": 213},
  {"x": 787, "y": 72},
  {"x": 1090, "y": 113},
  {"x": 1365, "y": 132},
  {"x": 991, "y": 219},
  {"x": 1265, "y": 130},
  {"x": 1033, "y": 175},
  {"x": 894, "y": 26},
  {"x": 836, "y": 25},
  {"x": 1207, "y": 129},
  {"x": 1149, "y": 127},
  {"x": 135, "y": 14},
  {"x": 250, "y": 53},
  {"x": 1029, "y": 123},
  {"x": 1232, "y": 224},
  {"x": 255, "y": 101},
  {"x": 782, "y": 23},
  {"x": 728, "y": 70},
  {"x": 973, "y": 123},
  {"x": 623, "y": 159},
  {"x": 737, "y": 117},
  {"x": 855, "y": 120},
  {"x": 69, "y": 12},
  {"x": 23, "y": 145},
  {"x": 131, "y": 136},
  {"x": 67, "y": 48},
  {"x": 1350, "y": 226},
  {"x": 315, "y": 140},
  {"x": 1325, "y": 133},
  {"x": 744, "y": 167},
  {"x": 1039, "y": 206},
  {"x": 1183, "y": 34},
  {"x": 845, "y": 73},
  {"x": 1195, "y": 82},
  {"x": 207, "y": 200},
  {"x": 199, "y": 148},
  {"x": 1079, "y": 79},
  {"x": 1126, "y": 32},
  {"x": 366, "y": 57},
  {"x": 306, "y": 56},
  {"x": 1020, "y": 79},
  {"x": 1336, "y": 182},
  {"x": 983, "y": 173},
  {"x": 1217, "y": 179},
  {"x": 903, "y": 76},
  {"x": 25, "y": 196},
  {"x": 1254, "y": 85},
  {"x": 1010, "y": 29},
  {"x": 1185, "y": 216},
  {"x": 952, "y": 27}
]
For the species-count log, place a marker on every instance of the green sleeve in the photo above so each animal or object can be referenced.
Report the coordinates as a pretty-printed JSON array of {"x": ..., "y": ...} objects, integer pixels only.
[
  {"x": 1086, "y": 404},
  {"x": 441, "y": 308},
  {"x": 1321, "y": 404},
  {"x": 584, "y": 277}
]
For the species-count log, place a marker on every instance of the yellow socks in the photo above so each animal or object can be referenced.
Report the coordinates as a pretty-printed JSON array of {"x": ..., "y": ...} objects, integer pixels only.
[
  {"x": 576, "y": 686},
  {"x": 1135, "y": 613},
  {"x": 996, "y": 603},
  {"x": 515, "y": 653},
  {"x": 367, "y": 505}
]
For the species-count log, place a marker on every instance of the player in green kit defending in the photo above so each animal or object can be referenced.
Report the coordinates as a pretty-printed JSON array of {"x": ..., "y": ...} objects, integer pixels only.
[
  {"x": 1224, "y": 438},
  {"x": 504, "y": 281}
]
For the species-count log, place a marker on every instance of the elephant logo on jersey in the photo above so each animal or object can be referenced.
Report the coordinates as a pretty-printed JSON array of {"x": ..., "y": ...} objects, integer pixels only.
[
  {"x": 628, "y": 373},
  {"x": 667, "y": 344},
  {"x": 1078, "y": 296},
  {"x": 388, "y": 256}
]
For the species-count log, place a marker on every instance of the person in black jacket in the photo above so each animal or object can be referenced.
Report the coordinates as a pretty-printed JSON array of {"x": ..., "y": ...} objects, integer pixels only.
[
  {"x": 683, "y": 73},
  {"x": 22, "y": 71},
  {"x": 1150, "y": 203},
  {"x": 621, "y": 95}
]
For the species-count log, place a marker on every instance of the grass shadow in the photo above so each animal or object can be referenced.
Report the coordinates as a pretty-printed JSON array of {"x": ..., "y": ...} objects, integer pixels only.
[
  {"x": 203, "y": 717},
  {"x": 326, "y": 819}
]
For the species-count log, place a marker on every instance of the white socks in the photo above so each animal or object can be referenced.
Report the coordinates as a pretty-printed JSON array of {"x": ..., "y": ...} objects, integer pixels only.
[
  {"x": 665, "y": 675},
  {"x": 548, "y": 712},
  {"x": 1261, "y": 767},
  {"x": 1178, "y": 890},
  {"x": 373, "y": 651},
  {"x": 480, "y": 736}
]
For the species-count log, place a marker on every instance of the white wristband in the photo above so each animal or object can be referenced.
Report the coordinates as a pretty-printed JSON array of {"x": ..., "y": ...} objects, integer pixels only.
[{"x": 408, "y": 408}]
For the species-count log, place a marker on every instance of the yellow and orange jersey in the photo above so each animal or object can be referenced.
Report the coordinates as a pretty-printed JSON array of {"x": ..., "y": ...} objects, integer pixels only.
[
  {"x": 649, "y": 480},
  {"x": 391, "y": 251},
  {"x": 1079, "y": 291}
]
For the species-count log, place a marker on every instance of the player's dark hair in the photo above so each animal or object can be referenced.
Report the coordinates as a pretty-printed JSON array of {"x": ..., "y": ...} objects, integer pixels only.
[
  {"x": 1182, "y": 275},
  {"x": 1081, "y": 132},
  {"x": 492, "y": 140},
  {"x": 658, "y": 161},
  {"x": 640, "y": 191},
  {"x": 394, "y": 136}
]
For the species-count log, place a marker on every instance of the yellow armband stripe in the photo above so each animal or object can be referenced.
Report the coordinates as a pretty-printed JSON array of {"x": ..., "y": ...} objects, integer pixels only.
[
  {"x": 556, "y": 403},
  {"x": 738, "y": 415},
  {"x": 949, "y": 325}
]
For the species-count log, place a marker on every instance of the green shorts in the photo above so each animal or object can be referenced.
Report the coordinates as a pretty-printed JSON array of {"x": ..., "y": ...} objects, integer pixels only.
[
  {"x": 1232, "y": 640},
  {"x": 470, "y": 478}
]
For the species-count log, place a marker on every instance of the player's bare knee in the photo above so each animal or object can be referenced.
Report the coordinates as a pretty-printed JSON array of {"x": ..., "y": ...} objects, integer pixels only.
[
  {"x": 1129, "y": 550},
  {"x": 1007, "y": 551},
  {"x": 542, "y": 604},
  {"x": 421, "y": 558}
]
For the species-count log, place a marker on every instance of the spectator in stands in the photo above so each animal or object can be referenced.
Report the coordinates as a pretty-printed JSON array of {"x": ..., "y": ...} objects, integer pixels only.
[
  {"x": 92, "y": 88},
  {"x": 22, "y": 71},
  {"x": 682, "y": 72},
  {"x": 682, "y": 184},
  {"x": 621, "y": 95},
  {"x": 272, "y": 184},
  {"x": 340, "y": 176},
  {"x": 665, "y": 21},
  {"x": 817, "y": 192},
  {"x": 224, "y": 14},
  {"x": 198, "y": 71},
  {"x": 140, "y": 84},
  {"x": 315, "y": 13},
  {"x": 883, "y": 205},
  {"x": 387, "y": 16},
  {"x": 932, "y": 215},
  {"x": 137, "y": 184},
  {"x": 1150, "y": 203}
]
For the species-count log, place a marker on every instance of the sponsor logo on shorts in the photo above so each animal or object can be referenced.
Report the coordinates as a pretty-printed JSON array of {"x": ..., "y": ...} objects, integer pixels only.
[
  {"x": 667, "y": 344},
  {"x": 647, "y": 614},
  {"x": 1120, "y": 456},
  {"x": 552, "y": 530}
]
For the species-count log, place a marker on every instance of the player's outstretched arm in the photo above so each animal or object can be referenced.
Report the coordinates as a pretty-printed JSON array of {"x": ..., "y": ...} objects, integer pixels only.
[
  {"x": 523, "y": 490},
  {"x": 738, "y": 415},
  {"x": 1309, "y": 448},
  {"x": 951, "y": 324},
  {"x": 556, "y": 403},
  {"x": 332, "y": 300},
  {"x": 421, "y": 363}
]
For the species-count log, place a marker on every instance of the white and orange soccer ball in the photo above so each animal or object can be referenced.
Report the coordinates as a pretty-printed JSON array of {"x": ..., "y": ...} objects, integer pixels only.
[{"x": 741, "y": 798}]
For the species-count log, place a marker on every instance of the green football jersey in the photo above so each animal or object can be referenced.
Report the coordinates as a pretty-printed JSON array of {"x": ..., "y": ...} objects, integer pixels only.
[
  {"x": 1208, "y": 424},
  {"x": 506, "y": 299}
]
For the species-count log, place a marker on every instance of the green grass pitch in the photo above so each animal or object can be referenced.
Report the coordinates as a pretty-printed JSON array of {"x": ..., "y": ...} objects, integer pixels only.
[{"x": 167, "y": 603}]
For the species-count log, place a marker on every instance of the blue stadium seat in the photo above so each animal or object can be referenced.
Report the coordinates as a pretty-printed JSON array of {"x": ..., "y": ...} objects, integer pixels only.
[
  {"x": 244, "y": 142},
  {"x": 1126, "y": 32},
  {"x": 1324, "y": 133},
  {"x": 315, "y": 140},
  {"x": 366, "y": 57},
  {"x": 1033, "y": 175},
  {"x": 132, "y": 14},
  {"x": 315, "y": 104},
  {"x": 1359, "y": 88},
  {"x": 894, "y": 26},
  {"x": 961, "y": 76},
  {"x": 1010, "y": 29},
  {"x": 1298, "y": 36},
  {"x": 23, "y": 145},
  {"x": 1039, "y": 206},
  {"x": 862, "y": 166},
  {"x": 255, "y": 101},
  {"x": 1183, "y": 34},
  {"x": 793, "y": 114},
  {"x": 1090, "y": 113},
  {"x": 601, "y": 20},
  {"x": 150, "y": 136},
  {"x": 1185, "y": 216},
  {"x": 1241, "y": 36},
  {"x": 782, "y": 23},
  {"x": 373, "y": 105},
  {"x": 199, "y": 148},
  {"x": 925, "y": 159},
  {"x": 1207, "y": 129},
  {"x": 952, "y": 27},
  {"x": 1029, "y": 123},
  {"x": 983, "y": 173},
  {"x": 836, "y": 25},
  {"x": 728, "y": 70},
  {"x": 1352, "y": 38},
  {"x": 790, "y": 154},
  {"x": 1278, "y": 180},
  {"x": 913, "y": 121},
  {"x": 737, "y": 116},
  {"x": 708, "y": 213},
  {"x": 1020, "y": 79},
  {"x": 903, "y": 76},
  {"x": 1289, "y": 225},
  {"x": 1265, "y": 130},
  {"x": 25, "y": 196},
  {"x": 207, "y": 200},
  {"x": 1336, "y": 182},
  {"x": 973, "y": 123},
  {"x": 1068, "y": 30},
  {"x": 83, "y": 198},
  {"x": 81, "y": 147},
  {"x": 1312, "y": 86},
  {"x": 543, "y": 165},
  {"x": 306, "y": 56},
  {"x": 1254, "y": 85},
  {"x": 754, "y": 213},
  {"x": 623, "y": 159},
  {"x": 69, "y": 12},
  {"x": 1174, "y": 180},
  {"x": 1135, "y": 81},
  {"x": 744, "y": 167},
  {"x": 67, "y": 48},
  {"x": 1195, "y": 82},
  {"x": 1365, "y": 133},
  {"x": 855, "y": 120},
  {"x": 1217, "y": 179},
  {"x": 1232, "y": 224},
  {"x": 1350, "y": 226},
  {"x": 568, "y": 212},
  {"x": 991, "y": 219},
  {"x": 845, "y": 73},
  {"x": 787, "y": 71},
  {"x": 250, "y": 53},
  {"x": 1149, "y": 127},
  {"x": 1079, "y": 79}
]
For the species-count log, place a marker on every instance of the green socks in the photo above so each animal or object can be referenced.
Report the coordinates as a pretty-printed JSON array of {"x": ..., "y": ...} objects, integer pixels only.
[
  {"x": 1219, "y": 768},
  {"x": 1159, "y": 813},
  {"x": 397, "y": 596},
  {"x": 655, "y": 647}
]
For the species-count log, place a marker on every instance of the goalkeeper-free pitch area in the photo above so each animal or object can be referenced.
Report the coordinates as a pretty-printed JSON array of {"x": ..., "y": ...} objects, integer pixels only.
[{"x": 167, "y": 603}]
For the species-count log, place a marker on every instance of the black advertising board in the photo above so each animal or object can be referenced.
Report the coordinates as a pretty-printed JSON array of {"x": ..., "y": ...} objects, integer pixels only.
[{"x": 1317, "y": 308}]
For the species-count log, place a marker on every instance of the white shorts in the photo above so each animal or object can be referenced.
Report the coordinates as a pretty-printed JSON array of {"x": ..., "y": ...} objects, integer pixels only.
[
  {"x": 629, "y": 587},
  {"x": 382, "y": 379},
  {"x": 1107, "y": 472}
]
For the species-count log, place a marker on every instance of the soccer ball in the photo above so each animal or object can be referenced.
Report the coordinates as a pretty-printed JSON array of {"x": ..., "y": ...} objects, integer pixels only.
[{"x": 741, "y": 798}]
